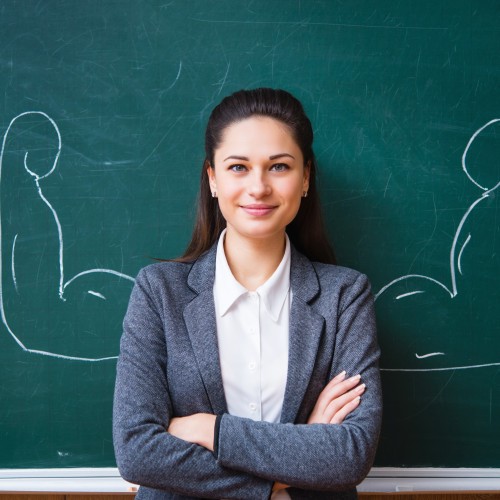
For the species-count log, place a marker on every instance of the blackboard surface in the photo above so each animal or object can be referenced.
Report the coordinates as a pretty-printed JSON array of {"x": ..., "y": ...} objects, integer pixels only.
[{"x": 102, "y": 112}]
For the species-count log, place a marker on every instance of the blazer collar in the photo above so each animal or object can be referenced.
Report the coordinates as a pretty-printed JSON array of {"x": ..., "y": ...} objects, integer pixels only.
[
  {"x": 303, "y": 278},
  {"x": 202, "y": 274},
  {"x": 306, "y": 327}
]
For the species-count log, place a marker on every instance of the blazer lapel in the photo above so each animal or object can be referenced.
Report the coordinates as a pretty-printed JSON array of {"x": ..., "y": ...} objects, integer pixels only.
[
  {"x": 199, "y": 317},
  {"x": 306, "y": 327}
]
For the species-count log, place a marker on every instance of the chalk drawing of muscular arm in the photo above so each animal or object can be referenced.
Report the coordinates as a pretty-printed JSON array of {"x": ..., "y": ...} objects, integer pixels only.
[
  {"x": 416, "y": 284},
  {"x": 43, "y": 311}
]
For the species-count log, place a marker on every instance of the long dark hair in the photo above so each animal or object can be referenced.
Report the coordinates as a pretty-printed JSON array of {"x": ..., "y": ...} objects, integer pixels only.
[{"x": 306, "y": 232}]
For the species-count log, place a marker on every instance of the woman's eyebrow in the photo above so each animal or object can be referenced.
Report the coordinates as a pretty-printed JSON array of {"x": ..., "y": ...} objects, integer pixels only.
[
  {"x": 273, "y": 157},
  {"x": 281, "y": 155},
  {"x": 234, "y": 157}
]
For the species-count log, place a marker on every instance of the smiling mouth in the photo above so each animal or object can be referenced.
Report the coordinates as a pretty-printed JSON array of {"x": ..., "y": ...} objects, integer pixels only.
[{"x": 258, "y": 210}]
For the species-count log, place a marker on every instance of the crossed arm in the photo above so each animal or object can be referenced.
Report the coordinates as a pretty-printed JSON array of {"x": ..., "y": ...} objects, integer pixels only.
[{"x": 340, "y": 397}]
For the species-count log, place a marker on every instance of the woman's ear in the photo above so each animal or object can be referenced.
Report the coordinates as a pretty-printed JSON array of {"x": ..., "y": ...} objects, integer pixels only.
[
  {"x": 211, "y": 176},
  {"x": 307, "y": 173}
]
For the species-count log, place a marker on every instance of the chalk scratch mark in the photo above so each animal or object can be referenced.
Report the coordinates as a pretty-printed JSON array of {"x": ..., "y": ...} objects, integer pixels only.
[
  {"x": 435, "y": 397},
  {"x": 387, "y": 184},
  {"x": 97, "y": 294},
  {"x": 224, "y": 78},
  {"x": 491, "y": 403},
  {"x": 174, "y": 82},
  {"x": 307, "y": 23},
  {"x": 160, "y": 142}
]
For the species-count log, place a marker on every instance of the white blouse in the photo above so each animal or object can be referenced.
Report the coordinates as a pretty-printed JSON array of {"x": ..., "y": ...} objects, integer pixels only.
[{"x": 252, "y": 331}]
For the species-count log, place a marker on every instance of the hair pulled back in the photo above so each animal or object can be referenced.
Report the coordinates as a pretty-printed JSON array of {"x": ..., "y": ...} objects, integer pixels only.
[{"x": 306, "y": 232}]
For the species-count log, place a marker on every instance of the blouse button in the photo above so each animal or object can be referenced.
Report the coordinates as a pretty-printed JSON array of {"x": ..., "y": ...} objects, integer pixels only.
[
  {"x": 252, "y": 365},
  {"x": 252, "y": 406}
]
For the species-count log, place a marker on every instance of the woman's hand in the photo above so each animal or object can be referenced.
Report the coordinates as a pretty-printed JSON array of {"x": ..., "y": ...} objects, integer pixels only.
[
  {"x": 198, "y": 429},
  {"x": 339, "y": 398}
]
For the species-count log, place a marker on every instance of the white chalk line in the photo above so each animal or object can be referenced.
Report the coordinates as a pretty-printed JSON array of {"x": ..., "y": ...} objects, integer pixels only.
[
  {"x": 97, "y": 294},
  {"x": 442, "y": 369},
  {"x": 69, "y": 358},
  {"x": 457, "y": 234},
  {"x": 382, "y": 290},
  {"x": 62, "y": 285},
  {"x": 58, "y": 224},
  {"x": 423, "y": 356},
  {"x": 459, "y": 262},
  {"x": 409, "y": 293},
  {"x": 13, "y": 265},
  {"x": 105, "y": 271},
  {"x": 466, "y": 150}
]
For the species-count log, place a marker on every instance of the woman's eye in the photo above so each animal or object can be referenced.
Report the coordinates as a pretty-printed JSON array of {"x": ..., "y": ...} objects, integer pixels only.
[
  {"x": 280, "y": 167},
  {"x": 237, "y": 168}
]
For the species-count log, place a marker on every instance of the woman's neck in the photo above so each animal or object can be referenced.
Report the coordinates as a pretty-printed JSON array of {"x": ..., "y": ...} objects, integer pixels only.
[{"x": 253, "y": 260}]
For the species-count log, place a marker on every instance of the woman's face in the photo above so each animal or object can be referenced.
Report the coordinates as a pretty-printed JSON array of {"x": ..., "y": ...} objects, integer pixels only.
[{"x": 259, "y": 177}]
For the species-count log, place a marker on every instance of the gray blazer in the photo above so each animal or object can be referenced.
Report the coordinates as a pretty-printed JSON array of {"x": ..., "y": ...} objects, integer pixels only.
[{"x": 169, "y": 366}]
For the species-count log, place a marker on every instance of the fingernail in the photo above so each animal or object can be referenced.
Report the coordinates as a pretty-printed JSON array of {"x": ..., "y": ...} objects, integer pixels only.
[
  {"x": 361, "y": 388},
  {"x": 341, "y": 374},
  {"x": 356, "y": 377}
]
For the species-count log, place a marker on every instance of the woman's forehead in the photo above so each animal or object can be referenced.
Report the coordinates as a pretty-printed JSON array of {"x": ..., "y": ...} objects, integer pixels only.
[{"x": 257, "y": 133}]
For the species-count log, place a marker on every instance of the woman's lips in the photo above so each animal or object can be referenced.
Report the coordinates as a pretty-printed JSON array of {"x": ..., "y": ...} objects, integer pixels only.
[{"x": 258, "y": 210}]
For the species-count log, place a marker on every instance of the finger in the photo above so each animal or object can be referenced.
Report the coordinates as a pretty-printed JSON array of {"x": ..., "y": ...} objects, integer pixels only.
[
  {"x": 341, "y": 387},
  {"x": 335, "y": 381},
  {"x": 338, "y": 378},
  {"x": 335, "y": 390},
  {"x": 339, "y": 417},
  {"x": 325, "y": 410},
  {"x": 338, "y": 403}
]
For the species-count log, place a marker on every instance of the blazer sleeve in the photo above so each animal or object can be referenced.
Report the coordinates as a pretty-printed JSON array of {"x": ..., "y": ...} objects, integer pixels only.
[
  {"x": 319, "y": 456},
  {"x": 146, "y": 453}
]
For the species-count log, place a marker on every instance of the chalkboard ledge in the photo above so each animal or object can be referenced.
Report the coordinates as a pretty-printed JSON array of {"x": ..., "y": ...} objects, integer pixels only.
[
  {"x": 419, "y": 479},
  {"x": 380, "y": 480},
  {"x": 81, "y": 480}
]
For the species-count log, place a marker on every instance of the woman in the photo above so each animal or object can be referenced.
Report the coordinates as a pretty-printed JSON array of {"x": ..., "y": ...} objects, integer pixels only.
[{"x": 243, "y": 363}]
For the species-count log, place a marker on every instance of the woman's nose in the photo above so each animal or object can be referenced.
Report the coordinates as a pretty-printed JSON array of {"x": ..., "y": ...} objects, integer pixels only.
[{"x": 259, "y": 185}]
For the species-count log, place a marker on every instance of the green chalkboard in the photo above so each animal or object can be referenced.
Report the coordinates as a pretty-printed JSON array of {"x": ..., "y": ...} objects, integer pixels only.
[{"x": 102, "y": 111}]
